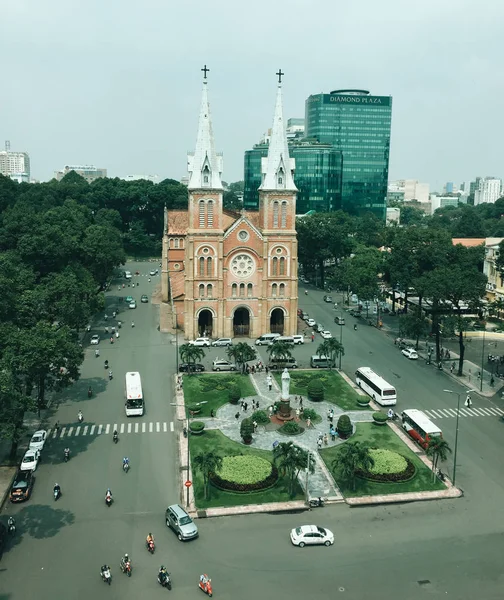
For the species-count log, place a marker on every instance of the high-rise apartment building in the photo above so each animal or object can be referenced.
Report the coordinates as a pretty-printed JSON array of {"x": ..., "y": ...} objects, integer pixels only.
[
  {"x": 358, "y": 125},
  {"x": 15, "y": 165},
  {"x": 89, "y": 172},
  {"x": 488, "y": 191}
]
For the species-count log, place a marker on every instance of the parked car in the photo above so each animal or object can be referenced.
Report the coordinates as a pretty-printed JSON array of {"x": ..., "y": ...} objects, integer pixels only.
[
  {"x": 95, "y": 339},
  {"x": 319, "y": 327},
  {"x": 223, "y": 365},
  {"x": 194, "y": 368},
  {"x": 38, "y": 440},
  {"x": 339, "y": 320},
  {"x": 410, "y": 353},
  {"x": 144, "y": 298},
  {"x": 22, "y": 487},
  {"x": 298, "y": 338},
  {"x": 311, "y": 322},
  {"x": 299, "y": 312},
  {"x": 30, "y": 460},
  {"x": 222, "y": 342},
  {"x": 326, "y": 334},
  {"x": 201, "y": 341},
  {"x": 310, "y": 535},
  {"x": 328, "y": 299}
]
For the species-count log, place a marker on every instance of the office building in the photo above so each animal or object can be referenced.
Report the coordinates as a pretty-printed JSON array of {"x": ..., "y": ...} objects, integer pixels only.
[
  {"x": 358, "y": 125},
  {"x": 89, "y": 172},
  {"x": 153, "y": 178},
  {"x": 488, "y": 190},
  {"x": 15, "y": 165},
  {"x": 410, "y": 189},
  {"x": 317, "y": 176}
]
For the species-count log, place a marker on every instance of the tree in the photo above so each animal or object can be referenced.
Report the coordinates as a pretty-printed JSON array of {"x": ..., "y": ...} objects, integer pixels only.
[
  {"x": 360, "y": 272},
  {"x": 352, "y": 457},
  {"x": 290, "y": 459},
  {"x": 246, "y": 430},
  {"x": 207, "y": 463},
  {"x": 331, "y": 348},
  {"x": 191, "y": 354},
  {"x": 241, "y": 353},
  {"x": 438, "y": 448},
  {"x": 281, "y": 351},
  {"x": 414, "y": 325}
]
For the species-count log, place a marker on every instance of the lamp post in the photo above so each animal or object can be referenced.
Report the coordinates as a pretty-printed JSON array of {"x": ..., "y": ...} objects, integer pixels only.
[
  {"x": 307, "y": 476},
  {"x": 456, "y": 431},
  {"x": 176, "y": 342},
  {"x": 341, "y": 338},
  {"x": 482, "y": 358}
]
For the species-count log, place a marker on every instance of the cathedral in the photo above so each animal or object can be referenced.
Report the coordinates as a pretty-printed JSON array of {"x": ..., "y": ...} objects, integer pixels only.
[{"x": 226, "y": 273}]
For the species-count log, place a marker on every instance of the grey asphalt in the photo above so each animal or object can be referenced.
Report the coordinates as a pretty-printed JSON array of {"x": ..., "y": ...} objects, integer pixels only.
[{"x": 446, "y": 548}]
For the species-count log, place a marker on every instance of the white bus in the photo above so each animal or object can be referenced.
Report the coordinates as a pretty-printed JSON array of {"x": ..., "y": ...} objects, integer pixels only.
[
  {"x": 419, "y": 427},
  {"x": 374, "y": 385},
  {"x": 134, "y": 404}
]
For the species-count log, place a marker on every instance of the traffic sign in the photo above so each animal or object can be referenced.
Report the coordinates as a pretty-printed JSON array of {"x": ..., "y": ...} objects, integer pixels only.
[{"x": 188, "y": 484}]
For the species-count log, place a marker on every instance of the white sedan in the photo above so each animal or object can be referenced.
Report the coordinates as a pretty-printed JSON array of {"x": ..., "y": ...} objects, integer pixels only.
[
  {"x": 410, "y": 353},
  {"x": 326, "y": 334},
  {"x": 38, "y": 440},
  {"x": 30, "y": 460},
  {"x": 95, "y": 339},
  {"x": 311, "y": 322},
  {"x": 202, "y": 341},
  {"x": 310, "y": 535}
]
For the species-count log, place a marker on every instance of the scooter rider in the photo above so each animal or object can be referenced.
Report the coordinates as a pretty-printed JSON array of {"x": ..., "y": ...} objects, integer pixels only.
[
  {"x": 110, "y": 374},
  {"x": 162, "y": 575},
  {"x": 390, "y": 414},
  {"x": 115, "y": 436},
  {"x": 125, "y": 461},
  {"x": 104, "y": 569},
  {"x": 80, "y": 416},
  {"x": 108, "y": 495},
  {"x": 124, "y": 561},
  {"x": 66, "y": 453},
  {"x": 57, "y": 489},
  {"x": 11, "y": 524},
  {"x": 355, "y": 326}
]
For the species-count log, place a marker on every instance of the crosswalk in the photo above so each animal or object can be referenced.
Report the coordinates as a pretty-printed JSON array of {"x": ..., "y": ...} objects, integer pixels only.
[
  {"x": 108, "y": 429},
  {"x": 442, "y": 413}
]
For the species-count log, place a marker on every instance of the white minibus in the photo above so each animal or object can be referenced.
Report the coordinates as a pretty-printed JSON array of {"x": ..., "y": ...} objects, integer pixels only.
[{"x": 375, "y": 386}]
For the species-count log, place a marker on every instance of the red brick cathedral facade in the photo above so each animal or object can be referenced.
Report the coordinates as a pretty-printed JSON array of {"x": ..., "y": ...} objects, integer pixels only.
[{"x": 228, "y": 274}]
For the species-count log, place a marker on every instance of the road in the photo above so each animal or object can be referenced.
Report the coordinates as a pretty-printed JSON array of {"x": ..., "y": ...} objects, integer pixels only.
[{"x": 448, "y": 548}]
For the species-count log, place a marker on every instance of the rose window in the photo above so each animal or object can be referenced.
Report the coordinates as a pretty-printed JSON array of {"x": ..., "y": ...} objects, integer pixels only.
[{"x": 242, "y": 265}]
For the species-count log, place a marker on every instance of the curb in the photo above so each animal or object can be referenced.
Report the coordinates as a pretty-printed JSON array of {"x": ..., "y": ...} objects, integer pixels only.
[
  {"x": 10, "y": 478},
  {"x": 450, "y": 493}
]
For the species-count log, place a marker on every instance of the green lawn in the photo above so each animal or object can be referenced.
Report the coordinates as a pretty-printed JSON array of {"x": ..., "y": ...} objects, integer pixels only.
[
  {"x": 379, "y": 436},
  {"x": 214, "y": 389},
  {"x": 336, "y": 388},
  {"x": 215, "y": 441}
]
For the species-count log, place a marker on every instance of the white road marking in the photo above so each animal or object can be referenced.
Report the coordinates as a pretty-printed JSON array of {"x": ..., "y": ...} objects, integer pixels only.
[
  {"x": 115, "y": 426},
  {"x": 77, "y": 430},
  {"x": 158, "y": 428},
  {"x": 63, "y": 431},
  {"x": 436, "y": 414},
  {"x": 136, "y": 427},
  {"x": 172, "y": 428},
  {"x": 85, "y": 430},
  {"x": 151, "y": 427},
  {"x": 100, "y": 427},
  {"x": 165, "y": 427},
  {"x": 122, "y": 427},
  {"x": 129, "y": 427},
  {"x": 107, "y": 429},
  {"x": 93, "y": 427},
  {"x": 70, "y": 429},
  {"x": 143, "y": 427}
]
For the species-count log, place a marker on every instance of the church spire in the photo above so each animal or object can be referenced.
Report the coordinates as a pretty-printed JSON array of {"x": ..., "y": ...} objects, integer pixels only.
[
  {"x": 205, "y": 165},
  {"x": 277, "y": 168}
]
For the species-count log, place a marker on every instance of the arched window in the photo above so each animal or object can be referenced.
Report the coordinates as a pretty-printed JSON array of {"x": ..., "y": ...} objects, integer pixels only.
[
  {"x": 282, "y": 265},
  {"x": 170, "y": 243},
  {"x": 282, "y": 290},
  {"x": 209, "y": 266},
  {"x": 249, "y": 290},
  {"x": 209, "y": 291},
  {"x": 242, "y": 290},
  {"x": 201, "y": 290},
  {"x": 210, "y": 213},
  {"x": 283, "y": 216},
  {"x": 201, "y": 213},
  {"x": 181, "y": 242},
  {"x": 274, "y": 288},
  {"x": 201, "y": 267},
  {"x": 275, "y": 265},
  {"x": 234, "y": 289},
  {"x": 275, "y": 214},
  {"x": 176, "y": 240},
  {"x": 206, "y": 175}
]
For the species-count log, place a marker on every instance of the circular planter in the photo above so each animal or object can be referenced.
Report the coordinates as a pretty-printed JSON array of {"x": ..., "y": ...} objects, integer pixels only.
[
  {"x": 406, "y": 475},
  {"x": 299, "y": 432},
  {"x": 380, "y": 418},
  {"x": 240, "y": 487},
  {"x": 363, "y": 401},
  {"x": 247, "y": 441},
  {"x": 196, "y": 427},
  {"x": 194, "y": 410}
]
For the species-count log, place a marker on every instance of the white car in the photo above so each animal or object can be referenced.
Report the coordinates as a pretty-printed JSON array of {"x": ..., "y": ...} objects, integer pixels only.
[
  {"x": 38, "y": 440},
  {"x": 223, "y": 365},
  {"x": 223, "y": 342},
  {"x": 410, "y": 353},
  {"x": 30, "y": 460},
  {"x": 132, "y": 304},
  {"x": 310, "y": 535},
  {"x": 202, "y": 341},
  {"x": 95, "y": 339},
  {"x": 153, "y": 272},
  {"x": 326, "y": 334},
  {"x": 311, "y": 322}
]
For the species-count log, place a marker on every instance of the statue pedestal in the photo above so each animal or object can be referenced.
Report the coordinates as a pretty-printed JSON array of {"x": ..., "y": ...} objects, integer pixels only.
[{"x": 284, "y": 411}]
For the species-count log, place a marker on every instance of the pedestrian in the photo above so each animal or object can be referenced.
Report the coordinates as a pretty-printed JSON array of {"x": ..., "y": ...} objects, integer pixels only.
[
  {"x": 300, "y": 402},
  {"x": 212, "y": 413},
  {"x": 312, "y": 336},
  {"x": 308, "y": 423},
  {"x": 242, "y": 403},
  {"x": 468, "y": 401},
  {"x": 301, "y": 411},
  {"x": 269, "y": 381},
  {"x": 298, "y": 412},
  {"x": 319, "y": 443},
  {"x": 266, "y": 369},
  {"x": 492, "y": 380},
  {"x": 270, "y": 410},
  {"x": 326, "y": 440},
  {"x": 255, "y": 426},
  {"x": 332, "y": 433},
  {"x": 237, "y": 415},
  {"x": 452, "y": 366},
  {"x": 117, "y": 334},
  {"x": 111, "y": 340},
  {"x": 245, "y": 406},
  {"x": 114, "y": 314},
  {"x": 56, "y": 427}
]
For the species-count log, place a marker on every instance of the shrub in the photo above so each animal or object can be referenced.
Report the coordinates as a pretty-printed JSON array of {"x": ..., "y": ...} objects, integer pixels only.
[
  {"x": 234, "y": 394},
  {"x": 380, "y": 418},
  {"x": 246, "y": 430},
  {"x": 194, "y": 409},
  {"x": 291, "y": 428},
  {"x": 260, "y": 417},
  {"x": 245, "y": 469},
  {"x": 387, "y": 461},
  {"x": 363, "y": 400},
  {"x": 344, "y": 427},
  {"x": 309, "y": 413},
  {"x": 315, "y": 390},
  {"x": 196, "y": 426}
]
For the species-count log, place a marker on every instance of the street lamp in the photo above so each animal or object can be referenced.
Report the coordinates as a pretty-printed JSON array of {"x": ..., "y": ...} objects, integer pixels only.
[
  {"x": 187, "y": 426},
  {"x": 176, "y": 342},
  {"x": 341, "y": 338},
  {"x": 456, "y": 431},
  {"x": 482, "y": 358}
]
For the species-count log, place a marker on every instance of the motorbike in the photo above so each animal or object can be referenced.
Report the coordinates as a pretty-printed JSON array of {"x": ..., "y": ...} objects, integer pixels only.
[
  {"x": 151, "y": 546},
  {"x": 115, "y": 437},
  {"x": 80, "y": 417},
  {"x": 166, "y": 581},
  {"x": 56, "y": 493},
  {"x": 110, "y": 376},
  {"x": 126, "y": 467},
  {"x": 66, "y": 456},
  {"x": 126, "y": 567},
  {"x": 205, "y": 585},
  {"x": 11, "y": 526},
  {"x": 316, "y": 502},
  {"x": 184, "y": 431},
  {"x": 441, "y": 475},
  {"x": 106, "y": 576},
  {"x": 106, "y": 364},
  {"x": 108, "y": 500},
  {"x": 89, "y": 392},
  {"x": 393, "y": 417}
]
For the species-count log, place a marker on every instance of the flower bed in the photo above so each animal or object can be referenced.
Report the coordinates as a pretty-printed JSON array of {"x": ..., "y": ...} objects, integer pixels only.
[
  {"x": 291, "y": 428},
  {"x": 245, "y": 473},
  {"x": 389, "y": 467}
]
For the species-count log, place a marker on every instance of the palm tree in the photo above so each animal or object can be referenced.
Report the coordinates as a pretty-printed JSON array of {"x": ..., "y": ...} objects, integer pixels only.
[
  {"x": 191, "y": 355},
  {"x": 352, "y": 457},
  {"x": 207, "y": 463},
  {"x": 331, "y": 348},
  {"x": 280, "y": 351},
  {"x": 241, "y": 353},
  {"x": 290, "y": 459},
  {"x": 439, "y": 449},
  {"x": 498, "y": 307}
]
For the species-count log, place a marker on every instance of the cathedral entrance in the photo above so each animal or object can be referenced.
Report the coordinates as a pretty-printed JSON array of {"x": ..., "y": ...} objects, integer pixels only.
[
  {"x": 241, "y": 322},
  {"x": 277, "y": 321},
  {"x": 205, "y": 323}
]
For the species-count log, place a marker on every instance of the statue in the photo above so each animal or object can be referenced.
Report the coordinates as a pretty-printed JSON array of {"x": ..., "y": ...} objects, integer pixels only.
[{"x": 285, "y": 385}]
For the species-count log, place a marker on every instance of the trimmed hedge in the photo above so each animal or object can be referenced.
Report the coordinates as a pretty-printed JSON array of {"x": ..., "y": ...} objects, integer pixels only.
[
  {"x": 245, "y": 469},
  {"x": 380, "y": 418},
  {"x": 233, "y": 486},
  {"x": 234, "y": 394},
  {"x": 309, "y": 413},
  {"x": 246, "y": 430},
  {"x": 194, "y": 409},
  {"x": 405, "y": 475},
  {"x": 344, "y": 427},
  {"x": 291, "y": 428},
  {"x": 363, "y": 400},
  {"x": 387, "y": 461},
  {"x": 260, "y": 417},
  {"x": 315, "y": 390},
  {"x": 196, "y": 426}
]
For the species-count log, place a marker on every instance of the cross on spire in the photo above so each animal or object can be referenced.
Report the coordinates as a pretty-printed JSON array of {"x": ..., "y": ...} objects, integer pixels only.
[
  {"x": 205, "y": 71},
  {"x": 279, "y": 75}
]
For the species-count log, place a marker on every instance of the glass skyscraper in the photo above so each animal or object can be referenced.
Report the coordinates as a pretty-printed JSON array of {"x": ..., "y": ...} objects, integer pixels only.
[
  {"x": 317, "y": 176},
  {"x": 358, "y": 125}
]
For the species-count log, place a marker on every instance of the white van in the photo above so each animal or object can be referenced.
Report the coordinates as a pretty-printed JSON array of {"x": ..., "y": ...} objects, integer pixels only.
[
  {"x": 282, "y": 363},
  {"x": 267, "y": 339},
  {"x": 127, "y": 274},
  {"x": 287, "y": 339},
  {"x": 321, "y": 362},
  {"x": 298, "y": 338}
]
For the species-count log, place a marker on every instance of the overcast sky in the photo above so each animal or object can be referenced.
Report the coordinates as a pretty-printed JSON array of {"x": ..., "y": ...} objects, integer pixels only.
[{"x": 117, "y": 83}]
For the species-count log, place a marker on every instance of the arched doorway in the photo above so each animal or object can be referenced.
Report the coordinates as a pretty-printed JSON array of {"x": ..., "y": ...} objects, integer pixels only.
[
  {"x": 277, "y": 321},
  {"x": 241, "y": 322},
  {"x": 205, "y": 323}
]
